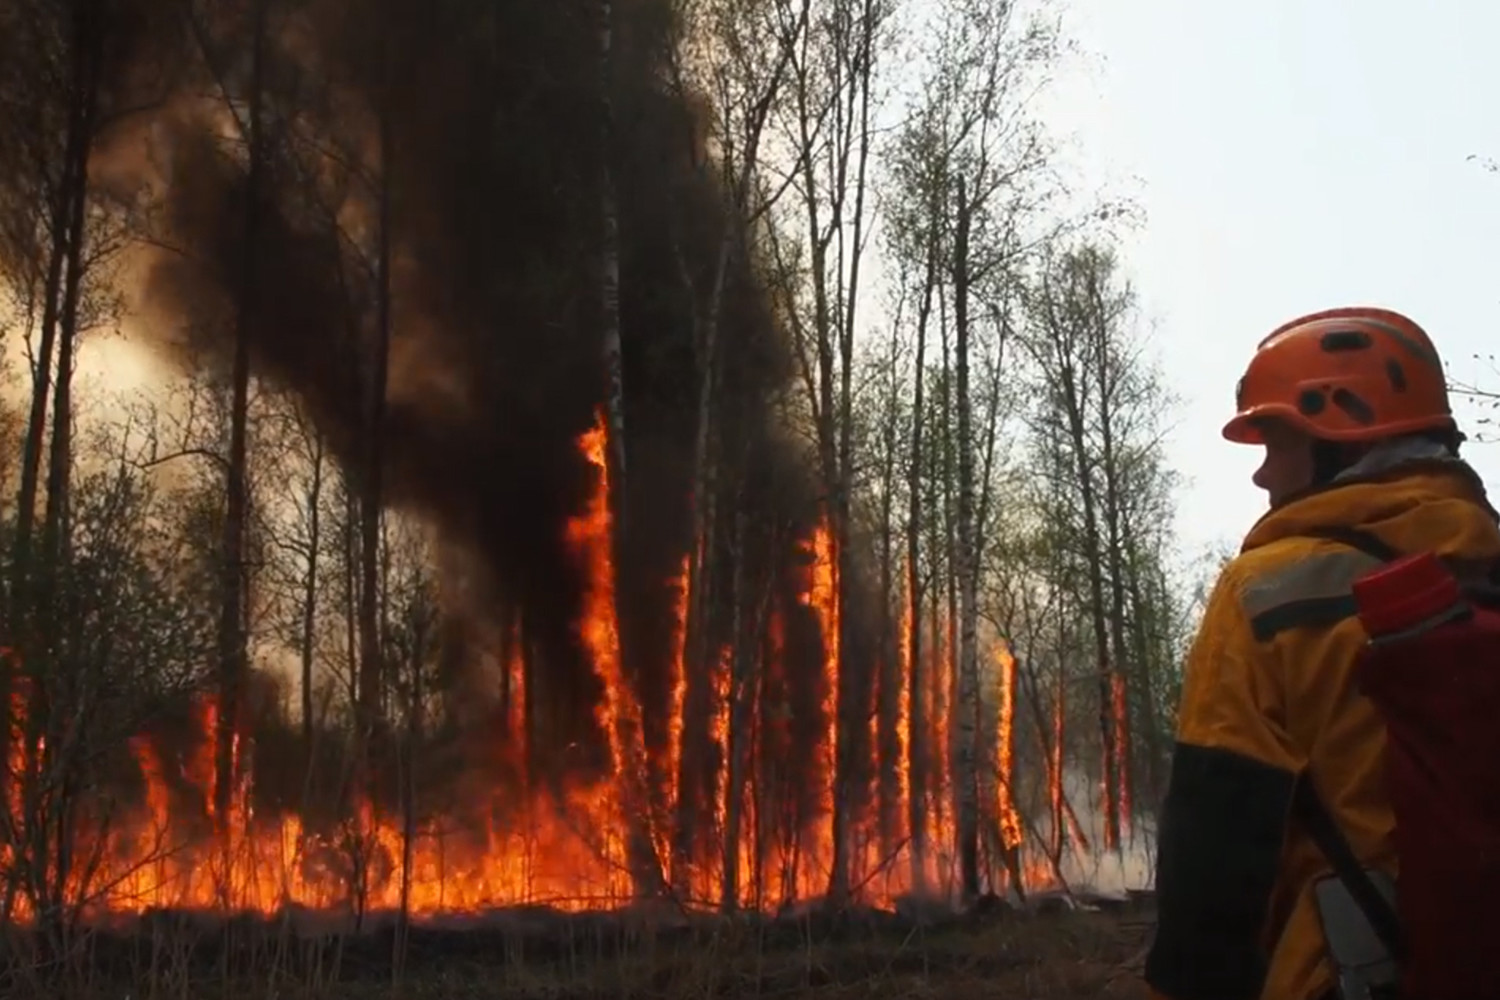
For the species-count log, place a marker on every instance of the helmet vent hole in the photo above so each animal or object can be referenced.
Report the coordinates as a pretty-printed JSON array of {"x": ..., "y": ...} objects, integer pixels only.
[
  {"x": 1355, "y": 407},
  {"x": 1396, "y": 374},
  {"x": 1311, "y": 403},
  {"x": 1345, "y": 340}
]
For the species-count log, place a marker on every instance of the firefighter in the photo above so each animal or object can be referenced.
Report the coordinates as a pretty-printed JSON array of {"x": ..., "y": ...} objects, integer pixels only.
[{"x": 1352, "y": 410}]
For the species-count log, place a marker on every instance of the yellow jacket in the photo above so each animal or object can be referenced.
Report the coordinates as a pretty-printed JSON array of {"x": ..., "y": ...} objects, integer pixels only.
[{"x": 1267, "y": 694}]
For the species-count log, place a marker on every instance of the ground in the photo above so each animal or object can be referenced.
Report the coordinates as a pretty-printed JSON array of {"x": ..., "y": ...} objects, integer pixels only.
[{"x": 1057, "y": 956}]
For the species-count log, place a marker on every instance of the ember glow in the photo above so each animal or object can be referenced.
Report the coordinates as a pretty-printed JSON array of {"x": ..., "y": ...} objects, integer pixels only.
[{"x": 573, "y": 848}]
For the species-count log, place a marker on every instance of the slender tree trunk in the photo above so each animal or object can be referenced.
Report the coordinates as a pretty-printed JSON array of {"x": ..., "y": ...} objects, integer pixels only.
[
  {"x": 1142, "y": 598},
  {"x": 964, "y": 772},
  {"x": 409, "y": 802},
  {"x": 371, "y": 496},
  {"x": 890, "y": 678},
  {"x": 1114, "y": 544},
  {"x": 946, "y": 701},
  {"x": 310, "y": 587},
  {"x": 609, "y": 285},
  {"x": 71, "y": 187},
  {"x": 232, "y": 639},
  {"x": 916, "y": 749},
  {"x": 28, "y": 630},
  {"x": 1095, "y": 556},
  {"x": 739, "y": 721}
]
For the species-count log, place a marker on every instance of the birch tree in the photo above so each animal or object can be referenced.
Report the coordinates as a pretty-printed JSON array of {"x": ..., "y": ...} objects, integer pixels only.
[
  {"x": 1101, "y": 411},
  {"x": 972, "y": 183}
]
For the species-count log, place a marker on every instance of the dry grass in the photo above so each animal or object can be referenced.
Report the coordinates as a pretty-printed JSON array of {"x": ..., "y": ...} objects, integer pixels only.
[{"x": 1060, "y": 957}]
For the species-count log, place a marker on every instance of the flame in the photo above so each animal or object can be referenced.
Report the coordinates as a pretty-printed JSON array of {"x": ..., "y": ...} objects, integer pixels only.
[
  {"x": 1122, "y": 740},
  {"x": 821, "y": 595},
  {"x": 903, "y": 702},
  {"x": 719, "y": 730},
  {"x": 564, "y": 846},
  {"x": 591, "y": 534},
  {"x": 942, "y": 833},
  {"x": 1010, "y": 819},
  {"x": 1055, "y": 772},
  {"x": 677, "y": 680}
]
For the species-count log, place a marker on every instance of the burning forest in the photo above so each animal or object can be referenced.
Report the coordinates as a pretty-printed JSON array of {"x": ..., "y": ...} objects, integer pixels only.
[{"x": 518, "y": 519}]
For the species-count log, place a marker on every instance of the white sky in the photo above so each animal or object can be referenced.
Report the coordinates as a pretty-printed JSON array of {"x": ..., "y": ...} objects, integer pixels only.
[{"x": 1291, "y": 155}]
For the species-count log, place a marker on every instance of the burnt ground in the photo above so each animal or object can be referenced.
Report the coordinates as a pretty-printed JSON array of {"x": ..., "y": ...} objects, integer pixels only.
[{"x": 1050, "y": 952}]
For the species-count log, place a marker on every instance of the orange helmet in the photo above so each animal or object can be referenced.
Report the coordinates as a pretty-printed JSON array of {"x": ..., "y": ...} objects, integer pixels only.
[{"x": 1353, "y": 374}]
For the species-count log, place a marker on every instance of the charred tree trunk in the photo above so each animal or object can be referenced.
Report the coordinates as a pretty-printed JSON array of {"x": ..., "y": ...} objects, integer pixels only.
[
  {"x": 609, "y": 283},
  {"x": 233, "y": 658},
  {"x": 52, "y": 730},
  {"x": 72, "y": 183},
  {"x": 371, "y": 494},
  {"x": 28, "y": 629}
]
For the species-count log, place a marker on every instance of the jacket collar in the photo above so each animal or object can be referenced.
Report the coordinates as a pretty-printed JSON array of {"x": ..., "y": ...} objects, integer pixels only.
[{"x": 1390, "y": 481}]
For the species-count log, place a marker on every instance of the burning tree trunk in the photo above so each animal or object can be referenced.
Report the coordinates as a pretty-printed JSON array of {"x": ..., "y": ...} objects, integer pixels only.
[
  {"x": 737, "y": 740},
  {"x": 890, "y": 683},
  {"x": 831, "y": 76},
  {"x": 850, "y": 781},
  {"x": 1007, "y": 814},
  {"x": 916, "y": 680}
]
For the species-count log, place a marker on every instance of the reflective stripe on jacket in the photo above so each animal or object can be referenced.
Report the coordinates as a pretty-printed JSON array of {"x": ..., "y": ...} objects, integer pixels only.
[{"x": 1267, "y": 692}]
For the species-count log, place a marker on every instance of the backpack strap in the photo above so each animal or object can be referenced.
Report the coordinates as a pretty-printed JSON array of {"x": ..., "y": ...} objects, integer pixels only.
[
  {"x": 1479, "y": 579},
  {"x": 1309, "y": 810}
]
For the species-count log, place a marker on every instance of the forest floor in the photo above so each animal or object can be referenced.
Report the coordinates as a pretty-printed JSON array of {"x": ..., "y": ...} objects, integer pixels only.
[
  {"x": 1070, "y": 956},
  {"x": 1057, "y": 955}
]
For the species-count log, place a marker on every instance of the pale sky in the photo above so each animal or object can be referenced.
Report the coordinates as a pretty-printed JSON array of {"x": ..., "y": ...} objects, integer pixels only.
[{"x": 1291, "y": 155}]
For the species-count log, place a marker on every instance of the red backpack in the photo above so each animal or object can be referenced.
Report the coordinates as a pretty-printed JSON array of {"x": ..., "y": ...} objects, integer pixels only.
[{"x": 1432, "y": 669}]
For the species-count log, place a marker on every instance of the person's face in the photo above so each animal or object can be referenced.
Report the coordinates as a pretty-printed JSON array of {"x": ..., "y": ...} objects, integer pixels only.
[{"x": 1288, "y": 465}]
